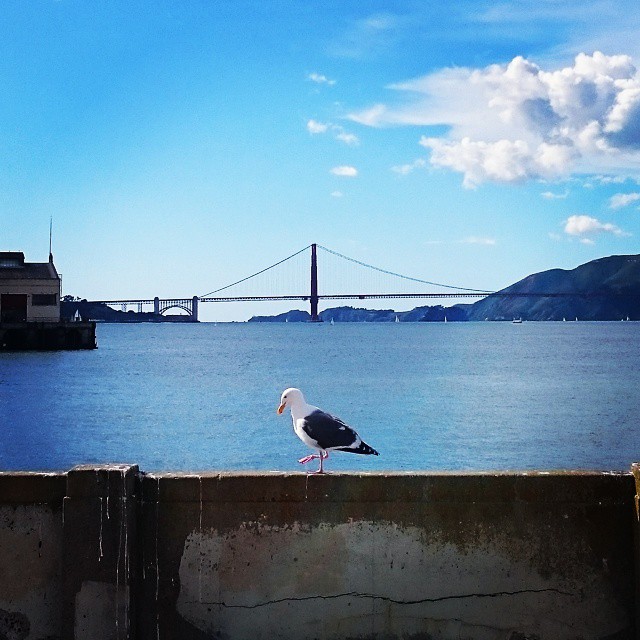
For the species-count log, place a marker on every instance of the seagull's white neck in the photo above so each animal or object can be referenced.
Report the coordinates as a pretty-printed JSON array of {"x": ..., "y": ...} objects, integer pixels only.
[{"x": 300, "y": 408}]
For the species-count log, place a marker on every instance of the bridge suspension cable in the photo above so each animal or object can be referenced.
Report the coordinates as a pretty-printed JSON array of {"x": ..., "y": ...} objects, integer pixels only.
[
  {"x": 399, "y": 275},
  {"x": 257, "y": 273}
]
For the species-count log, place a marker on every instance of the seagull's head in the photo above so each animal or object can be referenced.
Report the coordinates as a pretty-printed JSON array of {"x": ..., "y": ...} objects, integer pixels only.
[{"x": 290, "y": 397}]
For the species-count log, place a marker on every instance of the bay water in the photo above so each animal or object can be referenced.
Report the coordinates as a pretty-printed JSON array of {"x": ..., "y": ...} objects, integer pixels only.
[{"x": 428, "y": 396}]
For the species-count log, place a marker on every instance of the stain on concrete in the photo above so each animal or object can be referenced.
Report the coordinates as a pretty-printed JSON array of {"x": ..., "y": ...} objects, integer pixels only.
[
  {"x": 30, "y": 568},
  {"x": 30, "y": 541},
  {"x": 100, "y": 610},
  {"x": 368, "y": 579},
  {"x": 13, "y": 625}
]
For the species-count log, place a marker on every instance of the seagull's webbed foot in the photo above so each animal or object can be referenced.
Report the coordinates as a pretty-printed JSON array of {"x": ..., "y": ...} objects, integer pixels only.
[{"x": 323, "y": 455}]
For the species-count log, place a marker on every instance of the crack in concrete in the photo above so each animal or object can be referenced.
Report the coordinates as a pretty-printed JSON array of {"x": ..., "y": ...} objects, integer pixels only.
[{"x": 373, "y": 596}]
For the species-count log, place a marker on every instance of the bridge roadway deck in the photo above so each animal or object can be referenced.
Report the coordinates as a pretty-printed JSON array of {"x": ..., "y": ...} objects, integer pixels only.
[{"x": 365, "y": 296}]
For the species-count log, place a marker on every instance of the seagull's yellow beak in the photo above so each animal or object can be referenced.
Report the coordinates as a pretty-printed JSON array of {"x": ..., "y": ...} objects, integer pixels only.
[{"x": 281, "y": 408}]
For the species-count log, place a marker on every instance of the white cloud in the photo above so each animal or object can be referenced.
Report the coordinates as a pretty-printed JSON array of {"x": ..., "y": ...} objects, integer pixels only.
[
  {"x": 501, "y": 161},
  {"x": 344, "y": 171},
  {"x": 318, "y": 78},
  {"x": 620, "y": 200},
  {"x": 609, "y": 179},
  {"x": 348, "y": 138},
  {"x": 314, "y": 127},
  {"x": 405, "y": 169},
  {"x": 549, "y": 195},
  {"x": 583, "y": 226},
  {"x": 337, "y": 194},
  {"x": 489, "y": 242},
  {"x": 516, "y": 122}
]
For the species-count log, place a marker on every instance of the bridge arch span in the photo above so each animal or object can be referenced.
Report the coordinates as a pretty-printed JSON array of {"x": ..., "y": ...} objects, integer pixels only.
[{"x": 163, "y": 310}]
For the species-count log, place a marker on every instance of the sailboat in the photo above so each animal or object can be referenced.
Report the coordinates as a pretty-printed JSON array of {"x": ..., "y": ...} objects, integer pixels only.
[
  {"x": 332, "y": 322},
  {"x": 397, "y": 319}
]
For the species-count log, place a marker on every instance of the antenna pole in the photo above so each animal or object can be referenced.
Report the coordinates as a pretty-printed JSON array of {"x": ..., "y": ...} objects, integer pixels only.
[{"x": 50, "y": 238}]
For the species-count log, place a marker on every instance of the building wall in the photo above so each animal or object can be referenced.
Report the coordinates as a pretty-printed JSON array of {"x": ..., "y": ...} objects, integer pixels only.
[
  {"x": 269, "y": 555},
  {"x": 31, "y": 287}
]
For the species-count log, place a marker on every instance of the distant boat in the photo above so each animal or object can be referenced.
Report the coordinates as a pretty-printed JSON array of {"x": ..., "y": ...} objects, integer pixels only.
[
  {"x": 397, "y": 319},
  {"x": 445, "y": 318},
  {"x": 517, "y": 321},
  {"x": 564, "y": 319},
  {"x": 332, "y": 322}
]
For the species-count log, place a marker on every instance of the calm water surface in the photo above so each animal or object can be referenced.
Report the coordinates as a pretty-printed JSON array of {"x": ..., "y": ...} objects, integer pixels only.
[{"x": 469, "y": 396}]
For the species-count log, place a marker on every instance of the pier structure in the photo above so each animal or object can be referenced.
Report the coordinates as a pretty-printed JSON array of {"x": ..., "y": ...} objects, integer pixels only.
[{"x": 30, "y": 308}]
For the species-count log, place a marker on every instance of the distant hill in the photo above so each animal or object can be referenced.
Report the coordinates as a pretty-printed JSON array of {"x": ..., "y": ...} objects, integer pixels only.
[
  {"x": 603, "y": 289},
  {"x": 352, "y": 314}
]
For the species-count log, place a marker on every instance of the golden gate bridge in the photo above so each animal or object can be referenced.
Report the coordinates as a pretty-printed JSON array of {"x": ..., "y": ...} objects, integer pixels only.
[{"x": 305, "y": 286}]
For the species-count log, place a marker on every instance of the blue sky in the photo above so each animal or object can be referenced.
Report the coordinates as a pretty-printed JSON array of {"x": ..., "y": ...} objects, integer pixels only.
[{"x": 180, "y": 146}]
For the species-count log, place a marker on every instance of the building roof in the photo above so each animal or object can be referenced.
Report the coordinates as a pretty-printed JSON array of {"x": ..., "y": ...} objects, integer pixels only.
[{"x": 13, "y": 267}]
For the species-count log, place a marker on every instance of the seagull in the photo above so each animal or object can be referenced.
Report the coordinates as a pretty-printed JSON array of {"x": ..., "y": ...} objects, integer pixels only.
[{"x": 320, "y": 430}]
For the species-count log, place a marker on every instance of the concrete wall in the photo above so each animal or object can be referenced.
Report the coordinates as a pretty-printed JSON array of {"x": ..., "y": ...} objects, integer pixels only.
[
  {"x": 419, "y": 556},
  {"x": 31, "y": 549}
]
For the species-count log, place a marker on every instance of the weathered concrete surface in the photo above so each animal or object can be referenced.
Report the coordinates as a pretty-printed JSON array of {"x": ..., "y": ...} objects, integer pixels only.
[
  {"x": 100, "y": 552},
  {"x": 30, "y": 555},
  {"x": 388, "y": 556},
  {"x": 106, "y": 553}
]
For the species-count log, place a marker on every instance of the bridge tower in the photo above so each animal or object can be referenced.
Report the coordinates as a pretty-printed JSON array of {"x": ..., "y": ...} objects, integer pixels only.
[{"x": 313, "y": 298}]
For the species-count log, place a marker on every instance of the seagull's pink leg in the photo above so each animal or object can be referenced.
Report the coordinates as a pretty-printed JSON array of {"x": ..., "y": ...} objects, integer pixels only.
[
  {"x": 308, "y": 459},
  {"x": 323, "y": 455}
]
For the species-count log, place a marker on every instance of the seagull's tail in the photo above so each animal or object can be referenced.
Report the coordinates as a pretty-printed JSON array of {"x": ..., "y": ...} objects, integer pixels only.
[{"x": 363, "y": 448}]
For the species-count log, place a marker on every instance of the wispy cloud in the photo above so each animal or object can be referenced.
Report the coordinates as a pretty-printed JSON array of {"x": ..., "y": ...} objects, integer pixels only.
[
  {"x": 620, "y": 200},
  {"x": 314, "y": 128},
  {"x": 549, "y": 195},
  {"x": 515, "y": 122},
  {"x": 348, "y": 138},
  {"x": 318, "y": 78},
  {"x": 405, "y": 169},
  {"x": 367, "y": 36},
  {"x": 344, "y": 171},
  {"x": 488, "y": 242},
  {"x": 337, "y": 194},
  {"x": 583, "y": 227}
]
